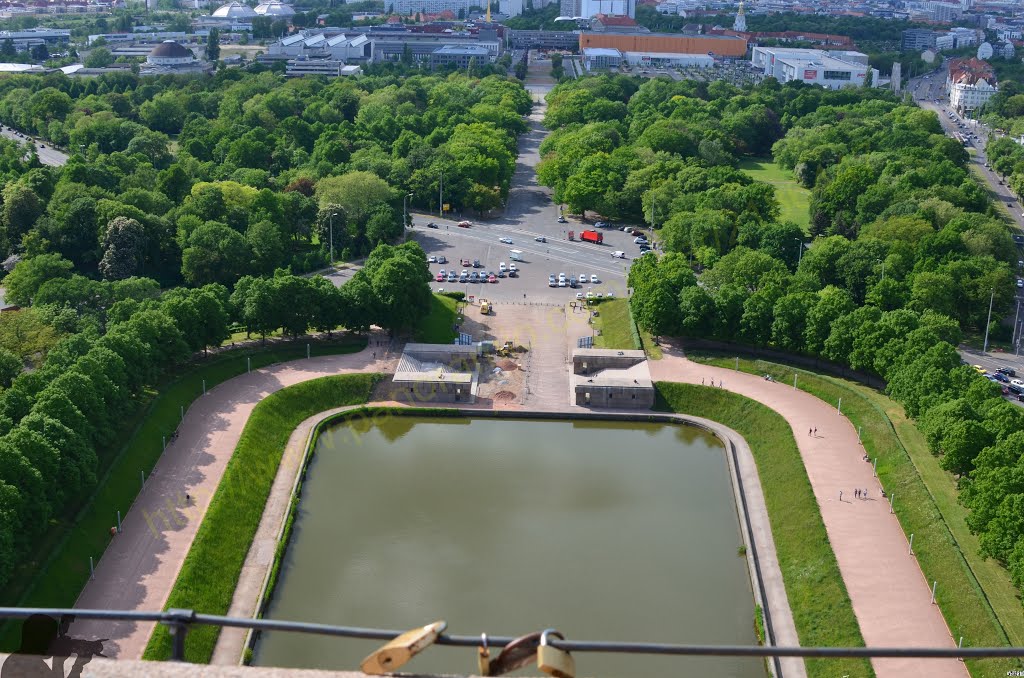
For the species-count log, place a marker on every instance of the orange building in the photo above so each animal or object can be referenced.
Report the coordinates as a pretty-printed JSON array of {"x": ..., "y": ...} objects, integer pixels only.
[{"x": 671, "y": 43}]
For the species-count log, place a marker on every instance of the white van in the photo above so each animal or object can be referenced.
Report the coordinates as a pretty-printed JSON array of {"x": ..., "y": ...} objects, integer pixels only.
[
  {"x": 515, "y": 255},
  {"x": 501, "y": 266},
  {"x": 619, "y": 254}
]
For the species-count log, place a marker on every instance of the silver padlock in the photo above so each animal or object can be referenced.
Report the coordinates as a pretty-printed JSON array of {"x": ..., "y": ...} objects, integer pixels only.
[{"x": 553, "y": 661}]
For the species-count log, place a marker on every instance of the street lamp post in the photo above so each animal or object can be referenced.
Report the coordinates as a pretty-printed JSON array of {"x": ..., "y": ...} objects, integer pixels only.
[
  {"x": 440, "y": 196},
  {"x": 992, "y": 298},
  {"x": 405, "y": 211},
  {"x": 331, "y": 229},
  {"x": 799, "y": 252}
]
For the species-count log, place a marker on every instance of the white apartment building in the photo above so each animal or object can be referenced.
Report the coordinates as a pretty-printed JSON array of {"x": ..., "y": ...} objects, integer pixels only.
[
  {"x": 830, "y": 69},
  {"x": 971, "y": 83}
]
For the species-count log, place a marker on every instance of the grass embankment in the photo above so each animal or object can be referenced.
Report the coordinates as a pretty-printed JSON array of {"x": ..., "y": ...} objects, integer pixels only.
[
  {"x": 64, "y": 567},
  {"x": 821, "y": 606},
  {"x": 793, "y": 198},
  {"x": 436, "y": 328},
  {"x": 614, "y": 322},
  {"x": 975, "y": 595},
  {"x": 210, "y": 573}
]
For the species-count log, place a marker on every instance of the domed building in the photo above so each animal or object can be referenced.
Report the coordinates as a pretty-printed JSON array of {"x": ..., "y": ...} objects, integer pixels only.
[
  {"x": 170, "y": 53},
  {"x": 275, "y": 8},
  {"x": 234, "y": 10}
]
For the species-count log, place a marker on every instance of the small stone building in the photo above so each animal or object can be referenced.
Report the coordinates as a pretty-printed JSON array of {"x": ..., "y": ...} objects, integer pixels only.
[
  {"x": 608, "y": 377},
  {"x": 436, "y": 373}
]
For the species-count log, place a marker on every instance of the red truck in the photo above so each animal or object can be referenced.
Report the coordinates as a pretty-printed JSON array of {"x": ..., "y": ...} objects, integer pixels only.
[{"x": 592, "y": 236}]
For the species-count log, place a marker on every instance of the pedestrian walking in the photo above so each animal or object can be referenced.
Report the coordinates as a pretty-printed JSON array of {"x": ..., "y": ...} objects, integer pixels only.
[
  {"x": 702, "y": 381},
  {"x": 840, "y": 495},
  {"x": 863, "y": 494},
  {"x": 808, "y": 433},
  {"x": 374, "y": 355},
  {"x": 815, "y": 431},
  {"x": 857, "y": 494}
]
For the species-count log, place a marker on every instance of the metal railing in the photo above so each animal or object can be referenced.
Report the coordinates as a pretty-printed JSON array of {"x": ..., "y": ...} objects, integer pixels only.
[{"x": 180, "y": 621}]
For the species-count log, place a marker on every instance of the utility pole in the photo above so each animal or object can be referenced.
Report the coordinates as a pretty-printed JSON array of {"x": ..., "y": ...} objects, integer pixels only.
[
  {"x": 989, "y": 321},
  {"x": 1015, "y": 318},
  {"x": 331, "y": 229},
  {"x": 440, "y": 196},
  {"x": 799, "y": 252},
  {"x": 405, "y": 211}
]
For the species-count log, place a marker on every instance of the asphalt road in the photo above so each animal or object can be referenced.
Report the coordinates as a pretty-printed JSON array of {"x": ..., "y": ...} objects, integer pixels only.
[
  {"x": 47, "y": 155},
  {"x": 925, "y": 90}
]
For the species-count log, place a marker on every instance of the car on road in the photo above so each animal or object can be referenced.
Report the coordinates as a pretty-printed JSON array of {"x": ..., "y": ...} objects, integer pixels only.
[
  {"x": 1020, "y": 283},
  {"x": 1001, "y": 377},
  {"x": 551, "y": 281},
  {"x": 1017, "y": 382},
  {"x": 540, "y": 238},
  {"x": 618, "y": 254},
  {"x": 431, "y": 224},
  {"x": 1008, "y": 371},
  {"x": 601, "y": 224},
  {"x": 507, "y": 241},
  {"x": 562, "y": 220},
  {"x": 464, "y": 224},
  {"x": 431, "y": 259},
  {"x": 593, "y": 279}
]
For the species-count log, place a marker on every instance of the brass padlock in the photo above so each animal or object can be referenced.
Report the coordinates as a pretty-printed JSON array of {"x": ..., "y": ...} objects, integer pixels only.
[
  {"x": 519, "y": 653},
  {"x": 403, "y": 648},
  {"x": 483, "y": 657},
  {"x": 553, "y": 661}
]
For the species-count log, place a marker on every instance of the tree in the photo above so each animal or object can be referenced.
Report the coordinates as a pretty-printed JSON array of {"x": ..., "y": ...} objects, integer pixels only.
[
  {"x": 21, "y": 208},
  {"x": 357, "y": 193},
  {"x": 123, "y": 245},
  {"x": 267, "y": 246},
  {"x": 29, "y": 275},
  {"x": 213, "y": 45},
  {"x": 10, "y": 367},
  {"x": 99, "y": 57},
  {"x": 40, "y": 53},
  {"x": 215, "y": 254}
]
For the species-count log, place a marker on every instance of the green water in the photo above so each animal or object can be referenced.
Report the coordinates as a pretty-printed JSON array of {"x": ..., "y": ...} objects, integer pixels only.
[{"x": 607, "y": 531}]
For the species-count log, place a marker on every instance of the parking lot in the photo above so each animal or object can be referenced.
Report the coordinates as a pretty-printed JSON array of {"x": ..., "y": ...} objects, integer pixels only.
[{"x": 557, "y": 255}]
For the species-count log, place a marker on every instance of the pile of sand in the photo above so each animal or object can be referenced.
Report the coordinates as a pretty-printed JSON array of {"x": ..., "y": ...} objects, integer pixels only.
[
  {"x": 504, "y": 395},
  {"x": 508, "y": 365}
]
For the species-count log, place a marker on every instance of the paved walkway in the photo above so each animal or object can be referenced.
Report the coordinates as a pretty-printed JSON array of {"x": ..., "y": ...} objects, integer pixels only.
[
  {"x": 891, "y": 599},
  {"x": 139, "y": 567}
]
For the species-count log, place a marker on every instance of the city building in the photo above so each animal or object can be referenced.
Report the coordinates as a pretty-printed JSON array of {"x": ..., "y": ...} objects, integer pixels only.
[
  {"x": 970, "y": 84},
  {"x": 587, "y": 9},
  {"x": 411, "y": 7},
  {"x": 672, "y": 43},
  {"x": 601, "y": 58},
  {"x": 30, "y": 37},
  {"x": 603, "y": 23},
  {"x": 274, "y": 8},
  {"x": 917, "y": 39},
  {"x": 170, "y": 54},
  {"x": 436, "y": 373},
  {"x": 833, "y": 70},
  {"x": 965, "y": 37},
  {"x": 234, "y": 11},
  {"x": 606, "y": 377},
  {"x": 322, "y": 45},
  {"x": 330, "y": 68},
  {"x": 543, "y": 39},
  {"x": 460, "y": 56},
  {"x": 740, "y": 24}
]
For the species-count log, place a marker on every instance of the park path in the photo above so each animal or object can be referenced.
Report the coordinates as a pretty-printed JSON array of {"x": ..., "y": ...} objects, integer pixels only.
[
  {"x": 891, "y": 598},
  {"x": 139, "y": 567}
]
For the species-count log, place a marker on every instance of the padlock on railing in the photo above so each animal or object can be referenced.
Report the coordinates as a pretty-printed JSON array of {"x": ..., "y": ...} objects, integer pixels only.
[
  {"x": 517, "y": 654},
  {"x": 399, "y": 651},
  {"x": 483, "y": 657},
  {"x": 553, "y": 661}
]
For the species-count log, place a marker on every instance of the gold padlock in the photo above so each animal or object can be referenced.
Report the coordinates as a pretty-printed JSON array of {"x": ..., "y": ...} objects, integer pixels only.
[
  {"x": 553, "y": 661},
  {"x": 483, "y": 657},
  {"x": 403, "y": 648}
]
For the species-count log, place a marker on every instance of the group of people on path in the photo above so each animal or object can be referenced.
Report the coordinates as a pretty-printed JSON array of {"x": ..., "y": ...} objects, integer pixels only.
[{"x": 721, "y": 384}]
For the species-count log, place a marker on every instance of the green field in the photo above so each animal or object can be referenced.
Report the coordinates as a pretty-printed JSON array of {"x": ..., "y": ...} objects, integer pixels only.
[
  {"x": 61, "y": 567},
  {"x": 613, "y": 322},
  {"x": 208, "y": 578},
  {"x": 822, "y": 611},
  {"x": 793, "y": 198},
  {"x": 436, "y": 328},
  {"x": 975, "y": 595}
]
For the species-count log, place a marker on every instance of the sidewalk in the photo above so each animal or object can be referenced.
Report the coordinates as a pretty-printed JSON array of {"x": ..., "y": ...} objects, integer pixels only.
[
  {"x": 140, "y": 566},
  {"x": 891, "y": 599}
]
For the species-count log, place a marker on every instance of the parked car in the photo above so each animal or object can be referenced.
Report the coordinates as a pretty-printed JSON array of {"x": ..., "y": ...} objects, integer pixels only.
[
  {"x": 441, "y": 259},
  {"x": 551, "y": 281},
  {"x": 1008, "y": 371},
  {"x": 562, "y": 220},
  {"x": 601, "y": 224},
  {"x": 583, "y": 278},
  {"x": 1001, "y": 377},
  {"x": 491, "y": 278},
  {"x": 431, "y": 224},
  {"x": 1017, "y": 382},
  {"x": 476, "y": 263},
  {"x": 579, "y": 295},
  {"x": 464, "y": 262},
  {"x": 442, "y": 276},
  {"x": 512, "y": 268},
  {"x": 431, "y": 259},
  {"x": 464, "y": 224},
  {"x": 562, "y": 280},
  {"x": 639, "y": 240},
  {"x": 618, "y": 254},
  {"x": 593, "y": 279}
]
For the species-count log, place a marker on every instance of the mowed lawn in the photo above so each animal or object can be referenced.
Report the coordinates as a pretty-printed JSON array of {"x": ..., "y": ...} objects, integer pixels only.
[{"x": 793, "y": 198}]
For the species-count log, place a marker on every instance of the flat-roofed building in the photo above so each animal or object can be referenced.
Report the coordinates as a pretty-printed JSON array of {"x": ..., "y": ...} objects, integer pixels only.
[
  {"x": 459, "y": 56},
  {"x": 833, "y": 70},
  {"x": 601, "y": 58},
  {"x": 712, "y": 45}
]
